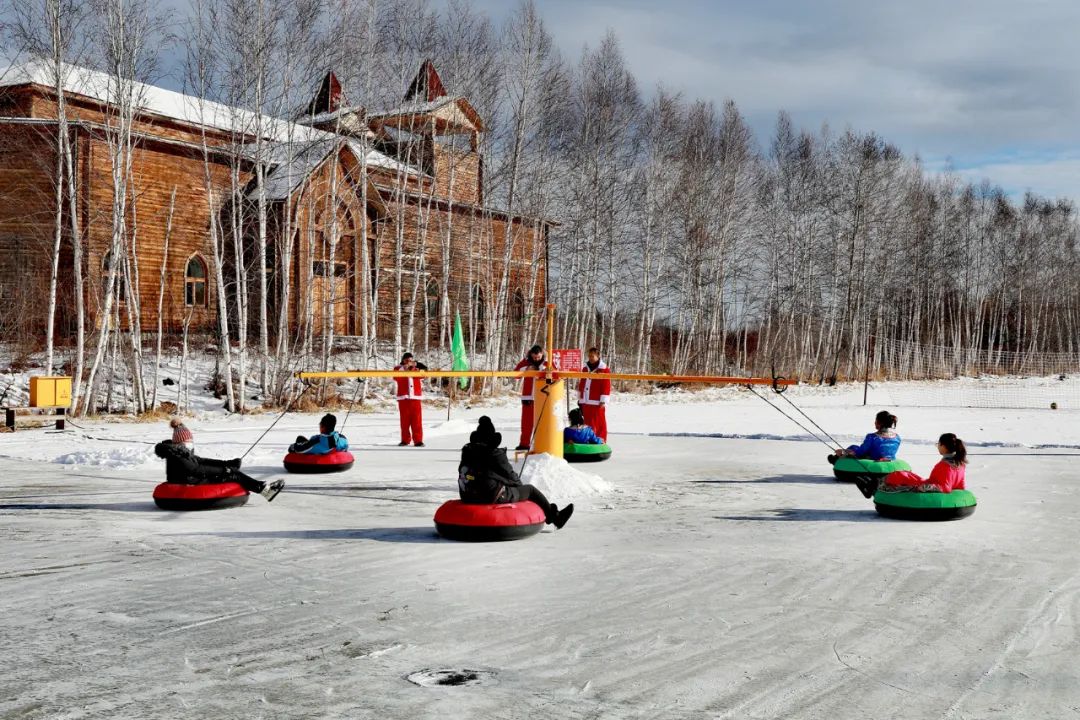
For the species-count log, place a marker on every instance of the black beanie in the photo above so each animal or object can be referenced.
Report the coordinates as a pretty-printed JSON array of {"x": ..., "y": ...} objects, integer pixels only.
[
  {"x": 485, "y": 431},
  {"x": 328, "y": 422},
  {"x": 535, "y": 349},
  {"x": 576, "y": 418}
]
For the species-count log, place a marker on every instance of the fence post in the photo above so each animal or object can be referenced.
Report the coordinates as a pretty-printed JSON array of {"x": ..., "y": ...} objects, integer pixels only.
[{"x": 866, "y": 370}]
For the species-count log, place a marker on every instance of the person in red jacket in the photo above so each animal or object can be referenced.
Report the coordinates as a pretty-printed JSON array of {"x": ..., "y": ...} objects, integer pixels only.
[
  {"x": 409, "y": 392},
  {"x": 535, "y": 360},
  {"x": 593, "y": 394},
  {"x": 947, "y": 475}
]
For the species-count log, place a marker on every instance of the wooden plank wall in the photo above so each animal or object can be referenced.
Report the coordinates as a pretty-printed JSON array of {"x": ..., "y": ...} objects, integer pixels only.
[
  {"x": 157, "y": 170},
  {"x": 476, "y": 238},
  {"x": 27, "y": 226}
]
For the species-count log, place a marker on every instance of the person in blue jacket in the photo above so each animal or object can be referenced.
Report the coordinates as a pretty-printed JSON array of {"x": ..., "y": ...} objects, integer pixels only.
[
  {"x": 327, "y": 441},
  {"x": 579, "y": 433},
  {"x": 883, "y": 444}
]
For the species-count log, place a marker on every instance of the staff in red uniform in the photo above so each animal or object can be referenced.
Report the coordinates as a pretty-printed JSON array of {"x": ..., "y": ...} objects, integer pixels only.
[
  {"x": 535, "y": 360},
  {"x": 409, "y": 392},
  {"x": 593, "y": 394}
]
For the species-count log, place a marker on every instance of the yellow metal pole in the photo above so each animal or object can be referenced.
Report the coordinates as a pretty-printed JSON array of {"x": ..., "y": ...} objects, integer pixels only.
[
  {"x": 548, "y": 394},
  {"x": 547, "y": 423},
  {"x": 643, "y": 377}
]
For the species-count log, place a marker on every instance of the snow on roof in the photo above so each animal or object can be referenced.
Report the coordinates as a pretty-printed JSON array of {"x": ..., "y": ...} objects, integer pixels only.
[
  {"x": 297, "y": 149},
  {"x": 417, "y": 108},
  {"x": 159, "y": 101},
  {"x": 296, "y": 161},
  {"x": 332, "y": 115}
]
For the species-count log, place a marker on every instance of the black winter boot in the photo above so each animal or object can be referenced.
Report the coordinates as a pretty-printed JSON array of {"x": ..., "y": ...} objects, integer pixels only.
[
  {"x": 564, "y": 515},
  {"x": 552, "y": 514},
  {"x": 867, "y": 486}
]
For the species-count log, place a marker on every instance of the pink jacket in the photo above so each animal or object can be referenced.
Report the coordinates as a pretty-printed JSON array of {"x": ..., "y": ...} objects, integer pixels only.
[{"x": 946, "y": 476}]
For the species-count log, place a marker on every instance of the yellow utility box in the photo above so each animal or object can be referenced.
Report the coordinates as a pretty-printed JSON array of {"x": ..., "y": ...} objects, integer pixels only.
[{"x": 50, "y": 392}]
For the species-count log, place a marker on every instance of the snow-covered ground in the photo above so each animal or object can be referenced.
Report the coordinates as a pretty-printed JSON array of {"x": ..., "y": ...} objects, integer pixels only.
[{"x": 713, "y": 569}]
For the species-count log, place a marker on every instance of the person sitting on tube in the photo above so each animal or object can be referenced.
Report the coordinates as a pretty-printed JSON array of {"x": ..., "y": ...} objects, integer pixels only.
[{"x": 485, "y": 476}]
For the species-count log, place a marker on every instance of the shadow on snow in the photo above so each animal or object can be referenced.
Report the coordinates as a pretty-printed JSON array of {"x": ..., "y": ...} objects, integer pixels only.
[
  {"x": 777, "y": 479},
  {"x": 807, "y": 515},
  {"x": 386, "y": 534},
  {"x": 113, "y": 507}
]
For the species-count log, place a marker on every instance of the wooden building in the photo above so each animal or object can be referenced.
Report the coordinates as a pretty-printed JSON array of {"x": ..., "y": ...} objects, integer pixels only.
[{"x": 367, "y": 217}]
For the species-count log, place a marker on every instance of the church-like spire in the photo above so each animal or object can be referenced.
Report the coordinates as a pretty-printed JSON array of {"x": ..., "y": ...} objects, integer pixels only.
[
  {"x": 328, "y": 98},
  {"x": 427, "y": 86}
]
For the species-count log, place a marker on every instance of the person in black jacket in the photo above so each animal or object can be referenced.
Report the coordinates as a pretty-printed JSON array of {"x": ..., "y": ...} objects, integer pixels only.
[
  {"x": 485, "y": 476},
  {"x": 186, "y": 468}
]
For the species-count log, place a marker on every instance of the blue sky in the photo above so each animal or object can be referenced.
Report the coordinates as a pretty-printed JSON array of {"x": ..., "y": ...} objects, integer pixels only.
[{"x": 991, "y": 88}]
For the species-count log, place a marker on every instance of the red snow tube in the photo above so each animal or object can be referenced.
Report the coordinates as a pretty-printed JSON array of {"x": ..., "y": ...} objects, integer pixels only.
[
  {"x": 208, "y": 496},
  {"x": 337, "y": 461},
  {"x": 456, "y": 520}
]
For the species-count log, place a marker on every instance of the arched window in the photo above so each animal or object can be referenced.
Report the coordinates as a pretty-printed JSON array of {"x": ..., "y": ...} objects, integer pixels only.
[
  {"x": 479, "y": 313},
  {"x": 432, "y": 296},
  {"x": 195, "y": 282},
  {"x": 518, "y": 307}
]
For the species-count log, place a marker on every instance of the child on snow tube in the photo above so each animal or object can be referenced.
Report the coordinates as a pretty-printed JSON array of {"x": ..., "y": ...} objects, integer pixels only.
[
  {"x": 579, "y": 433},
  {"x": 186, "y": 468},
  {"x": 880, "y": 445},
  {"x": 947, "y": 475},
  {"x": 327, "y": 441},
  {"x": 485, "y": 476}
]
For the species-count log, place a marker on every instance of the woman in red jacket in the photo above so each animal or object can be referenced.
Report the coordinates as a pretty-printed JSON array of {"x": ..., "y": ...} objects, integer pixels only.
[{"x": 947, "y": 475}]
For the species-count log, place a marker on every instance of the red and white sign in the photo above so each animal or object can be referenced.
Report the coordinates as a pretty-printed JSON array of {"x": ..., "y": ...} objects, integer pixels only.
[{"x": 568, "y": 360}]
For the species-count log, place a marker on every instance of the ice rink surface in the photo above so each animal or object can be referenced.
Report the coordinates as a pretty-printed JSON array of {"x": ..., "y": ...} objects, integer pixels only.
[{"x": 716, "y": 571}]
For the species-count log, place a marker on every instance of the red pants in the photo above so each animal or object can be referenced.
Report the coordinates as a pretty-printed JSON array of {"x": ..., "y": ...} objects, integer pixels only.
[
  {"x": 526, "y": 425},
  {"x": 596, "y": 418},
  {"x": 411, "y": 421}
]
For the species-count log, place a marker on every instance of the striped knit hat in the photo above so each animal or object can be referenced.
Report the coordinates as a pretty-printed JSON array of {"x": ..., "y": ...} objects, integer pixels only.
[{"x": 180, "y": 434}]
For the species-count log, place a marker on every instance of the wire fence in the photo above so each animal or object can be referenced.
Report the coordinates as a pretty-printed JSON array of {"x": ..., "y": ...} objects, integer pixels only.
[{"x": 976, "y": 377}]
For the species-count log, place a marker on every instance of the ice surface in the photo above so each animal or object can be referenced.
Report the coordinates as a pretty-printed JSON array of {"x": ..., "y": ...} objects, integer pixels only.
[{"x": 721, "y": 576}]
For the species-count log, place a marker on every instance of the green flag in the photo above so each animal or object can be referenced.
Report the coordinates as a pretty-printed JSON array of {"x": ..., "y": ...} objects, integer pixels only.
[{"x": 457, "y": 348}]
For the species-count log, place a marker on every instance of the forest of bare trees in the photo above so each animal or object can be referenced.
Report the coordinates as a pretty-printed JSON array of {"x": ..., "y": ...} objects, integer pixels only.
[{"x": 681, "y": 241}]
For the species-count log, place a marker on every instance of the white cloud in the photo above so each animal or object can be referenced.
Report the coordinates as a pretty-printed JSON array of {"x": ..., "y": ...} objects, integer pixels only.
[
  {"x": 1050, "y": 177},
  {"x": 968, "y": 79}
]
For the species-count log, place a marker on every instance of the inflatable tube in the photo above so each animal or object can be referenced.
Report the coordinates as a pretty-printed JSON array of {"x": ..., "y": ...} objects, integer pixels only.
[
  {"x": 925, "y": 505},
  {"x": 332, "y": 462},
  {"x": 572, "y": 452},
  {"x": 208, "y": 496},
  {"x": 455, "y": 520},
  {"x": 848, "y": 469}
]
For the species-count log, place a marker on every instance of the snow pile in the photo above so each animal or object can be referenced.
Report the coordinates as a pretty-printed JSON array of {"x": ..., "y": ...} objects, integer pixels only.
[
  {"x": 458, "y": 426},
  {"x": 560, "y": 481},
  {"x": 115, "y": 458}
]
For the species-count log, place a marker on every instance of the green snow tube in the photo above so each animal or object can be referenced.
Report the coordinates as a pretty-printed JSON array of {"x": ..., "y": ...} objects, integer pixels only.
[
  {"x": 907, "y": 505},
  {"x": 848, "y": 469},
  {"x": 575, "y": 453}
]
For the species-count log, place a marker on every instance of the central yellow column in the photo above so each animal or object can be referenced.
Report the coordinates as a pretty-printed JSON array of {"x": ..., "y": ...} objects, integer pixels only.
[{"x": 547, "y": 422}]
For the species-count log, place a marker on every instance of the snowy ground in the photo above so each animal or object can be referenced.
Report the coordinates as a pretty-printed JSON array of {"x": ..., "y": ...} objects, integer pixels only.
[{"x": 713, "y": 570}]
